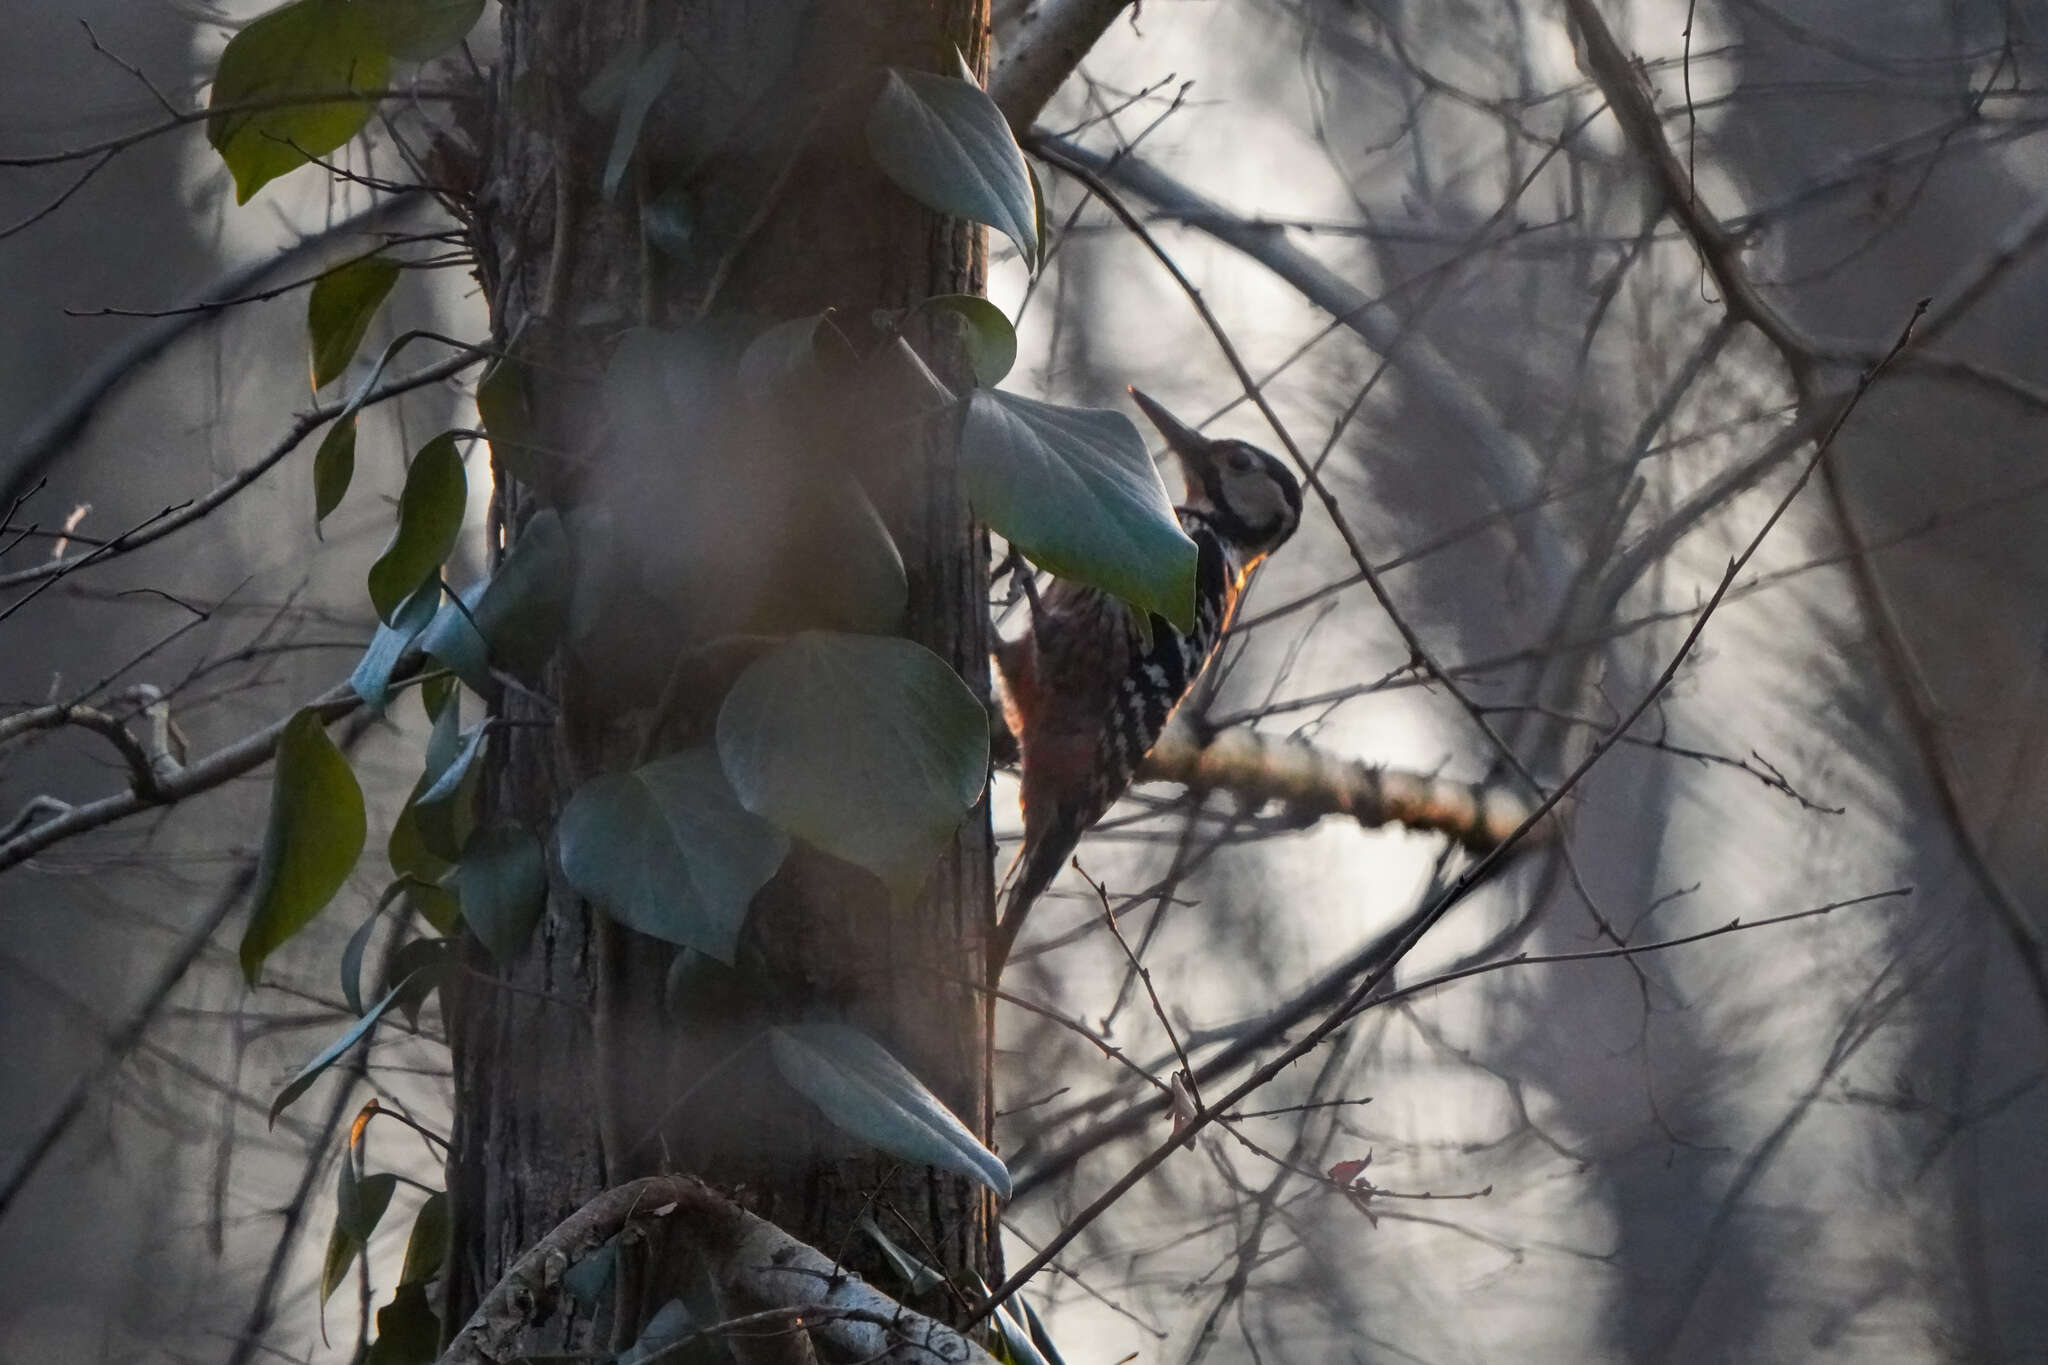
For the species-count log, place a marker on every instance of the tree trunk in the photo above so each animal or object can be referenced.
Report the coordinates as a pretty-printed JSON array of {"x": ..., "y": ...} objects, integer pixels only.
[{"x": 570, "y": 1076}]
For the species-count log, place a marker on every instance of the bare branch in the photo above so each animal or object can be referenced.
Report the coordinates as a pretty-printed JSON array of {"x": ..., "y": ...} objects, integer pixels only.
[{"x": 761, "y": 1274}]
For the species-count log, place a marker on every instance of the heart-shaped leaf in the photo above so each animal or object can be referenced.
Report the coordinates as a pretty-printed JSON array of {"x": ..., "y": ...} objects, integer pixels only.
[
  {"x": 429, "y": 519},
  {"x": 339, "y": 311},
  {"x": 267, "y": 85},
  {"x": 669, "y": 851},
  {"x": 502, "y": 884},
  {"x": 1074, "y": 490},
  {"x": 944, "y": 141},
  {"x": 867, "y": 746},
  {"x": 867, "y": 1093},
  {"x": 415, "y": 30},
  {"x": 316, "y": 831},
  {"x": 334, "y": 466},
  {"x": 991, "y": 340}
]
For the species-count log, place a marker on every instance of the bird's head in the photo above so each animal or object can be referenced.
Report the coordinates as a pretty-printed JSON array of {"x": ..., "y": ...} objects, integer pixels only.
[{"x": 1247, "y": 494}]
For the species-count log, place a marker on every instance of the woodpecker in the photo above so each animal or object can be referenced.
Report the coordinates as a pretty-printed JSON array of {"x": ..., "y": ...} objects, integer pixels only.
[{"x": 1087, "y": 690}]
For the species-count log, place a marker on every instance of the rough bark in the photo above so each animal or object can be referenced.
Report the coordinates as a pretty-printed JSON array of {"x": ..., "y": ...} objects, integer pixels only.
[{"x": 568, "y": 1075}]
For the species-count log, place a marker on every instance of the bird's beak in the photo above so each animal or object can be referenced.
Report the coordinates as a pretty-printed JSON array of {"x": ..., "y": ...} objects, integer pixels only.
[
  {"x": 1183, "y": 439},
  {"x": 1192, "y": 449}
]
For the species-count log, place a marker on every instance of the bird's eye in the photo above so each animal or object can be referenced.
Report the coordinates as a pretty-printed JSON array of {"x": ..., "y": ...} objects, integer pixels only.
[{"x": 1240, "y": 461}]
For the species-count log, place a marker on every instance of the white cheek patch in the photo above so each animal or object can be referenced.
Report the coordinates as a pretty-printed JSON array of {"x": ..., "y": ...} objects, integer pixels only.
[{"x": 1255, "y": 498}]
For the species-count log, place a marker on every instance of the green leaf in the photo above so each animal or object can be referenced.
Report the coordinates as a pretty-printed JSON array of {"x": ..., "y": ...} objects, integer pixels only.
[
  {"x": 280, "y": 61},
  {"x": 991, "y": 340},
  {"x": 407, "y": 849},
  {"x": 339, "y": 312},
  {"x": 358, "y": 1205},
  {"x": 408, "y": 1332},
  {"x": 435, "y": 693},
  {"x": 504, "y": 404},
  {"x": 372, "y": 676},
  {"x": 361, "y": 1203},
  {"x": 317, "y": 827},
  {"x": 642, "y": 88},
  {"x": 502, "y": 884},
  {"x": 867, "y": 1093},
  {"x": 944, "y": 141},
  {"x": 1074, "y": 490},
  {"x": 429, "y": 519},
  {"x": 1038, "y": 220},
  {"x": 416, "y": 30},
  {"x": 332, "y": 1053},
  {"x": 668, "y": 850},
  {"x": 780, "y": 357},
  {"x": 334, "y": 466},
  {"x": 434, "y": 904},
  {"x": 869, "y": 747},
  {"x": 426, "y": 1250}
]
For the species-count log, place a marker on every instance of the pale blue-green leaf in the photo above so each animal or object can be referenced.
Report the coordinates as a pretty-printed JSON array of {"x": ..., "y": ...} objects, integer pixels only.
[
  {"x": 316, "y": 830},
  {"x": 669, "y": 851},
  {"x": 670, "y": 220},
  {"x": 372, "y": 676},
  {"x": 268, "y": 81},
  {"x": 650, "y": 77},
  {"x": 429, "y": 518},
  {"x": 944, "y": 141},
  {"x": 670, "y": 1324},
  {"x": 918, "y": 1278},
  {"x": 449, "y": 779},
  {"x": 452, "y": 638},
  {"x": 1074, "y": 489},
  {"x": 867, "y": 746},
  {"x": 590, "y": 1277},
  {"x": 502, "y": 884},
  {"x": 867, "y": 1093},
  {"x": 525, "y": 604},
  {"x": 1040, "y": 1338},
  {"x": 358, "y": 944},
  {"x": 332, "y": 1053}
]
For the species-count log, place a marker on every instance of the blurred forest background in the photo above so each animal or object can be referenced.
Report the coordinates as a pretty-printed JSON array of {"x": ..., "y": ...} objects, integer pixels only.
[{"x": 1543, "y": 407}]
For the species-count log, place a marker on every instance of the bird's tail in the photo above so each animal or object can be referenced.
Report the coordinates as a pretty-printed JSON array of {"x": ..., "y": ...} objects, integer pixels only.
[{"x": 1045, "y": 851}]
